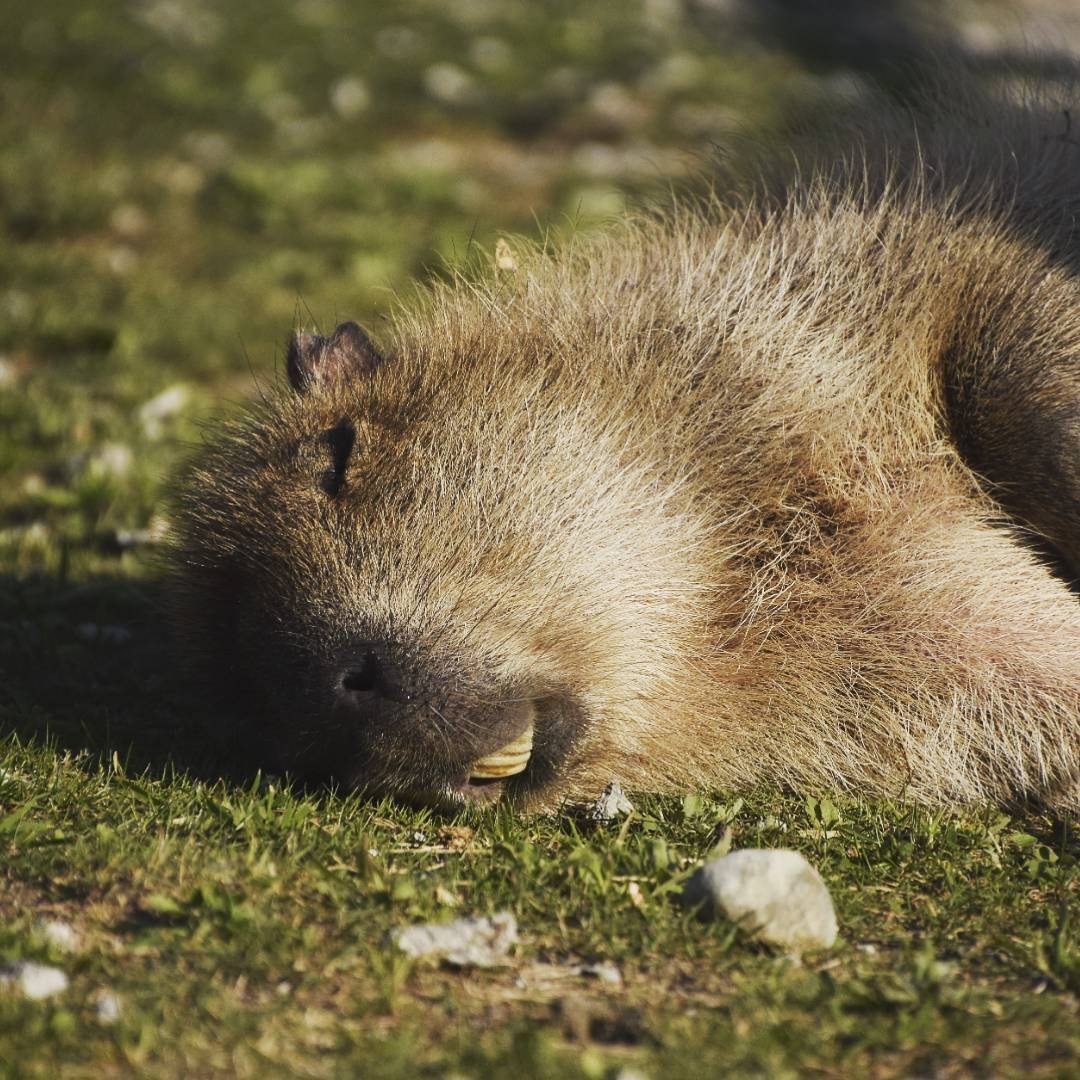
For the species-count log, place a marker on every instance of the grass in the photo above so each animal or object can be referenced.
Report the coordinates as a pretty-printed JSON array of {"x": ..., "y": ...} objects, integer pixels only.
[
  {"x": 244, "y": 931},
  {"x": 179, "y": 183}
]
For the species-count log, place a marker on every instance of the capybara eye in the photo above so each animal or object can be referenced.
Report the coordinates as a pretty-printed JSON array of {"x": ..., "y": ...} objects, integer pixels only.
[{"x": 340, "y": 440}]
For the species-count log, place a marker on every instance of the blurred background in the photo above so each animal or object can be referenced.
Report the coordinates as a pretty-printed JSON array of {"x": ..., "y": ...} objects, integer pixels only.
[{"x": 182, "y": 182}]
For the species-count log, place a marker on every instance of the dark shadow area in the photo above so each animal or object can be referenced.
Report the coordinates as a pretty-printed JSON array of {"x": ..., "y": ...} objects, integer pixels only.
[
  {"x": 896, "y": 43},
  {"x": 90, "y": 667},
  {"x": 880, "y": 38}
]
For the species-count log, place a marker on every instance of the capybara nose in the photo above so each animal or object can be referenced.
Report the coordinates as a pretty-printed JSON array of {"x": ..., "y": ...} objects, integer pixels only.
[{"x": 372, "y": 675}]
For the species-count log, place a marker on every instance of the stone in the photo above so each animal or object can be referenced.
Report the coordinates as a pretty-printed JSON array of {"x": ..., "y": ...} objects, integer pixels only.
[
  {"x": 350, "y": 97},
  {"x": 611, "y": 804},
  {"x": 59, "y": 934},
  {"x": 470, "y": 942},
  {"x": 36, "y": 981},
  {"x": 156, "y": 413},
  {"x": 603, "y": 972},
  {"x": 774, "y": 894},
  {"x": 107, "y": 1007}
]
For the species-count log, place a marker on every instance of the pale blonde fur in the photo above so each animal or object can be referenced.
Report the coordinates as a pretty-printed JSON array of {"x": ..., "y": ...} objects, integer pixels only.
[{"x": 699, "y": 473}]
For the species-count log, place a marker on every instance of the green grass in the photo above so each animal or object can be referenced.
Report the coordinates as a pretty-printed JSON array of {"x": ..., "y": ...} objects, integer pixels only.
[
  {"x": 179, "y": 183},
  {"x": 244, "y": 930}
]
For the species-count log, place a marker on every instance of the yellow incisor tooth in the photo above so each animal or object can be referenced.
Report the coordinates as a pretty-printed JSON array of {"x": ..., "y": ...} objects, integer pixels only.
[{"x": 508, "y": 760}]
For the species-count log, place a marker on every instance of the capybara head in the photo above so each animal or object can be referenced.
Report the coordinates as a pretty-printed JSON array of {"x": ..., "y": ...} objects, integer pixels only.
[{"x": 446, "y": 575}]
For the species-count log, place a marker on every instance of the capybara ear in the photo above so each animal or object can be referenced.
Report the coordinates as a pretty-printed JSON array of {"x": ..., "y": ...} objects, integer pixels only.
[{"x": 314, "y": 360}]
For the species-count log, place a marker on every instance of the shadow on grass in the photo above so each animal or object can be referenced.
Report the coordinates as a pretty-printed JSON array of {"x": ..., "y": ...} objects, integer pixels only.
[
  {"x": 898, "y": 44},
  {"x": 90, "y": 667}
]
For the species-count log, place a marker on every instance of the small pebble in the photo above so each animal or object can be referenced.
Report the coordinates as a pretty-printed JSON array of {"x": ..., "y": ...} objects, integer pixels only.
[
  {"x": 611, "y": 804},
  {"x": 128, "y": 539},
  {"x": 107, "y": 1007},
  {"x": 36, "y": 981},
  {"x": 114, "y": 459},
  {"x": 776, "y": 894},
  {"x": 350, "y": 97},
  {"x": 605, "y": 973},
  {"x": 155, "y": 413},
  {"x": 472, "y": 942},
  {"x": 448, "y": 83},
  {"x": 61, "y": 935}
]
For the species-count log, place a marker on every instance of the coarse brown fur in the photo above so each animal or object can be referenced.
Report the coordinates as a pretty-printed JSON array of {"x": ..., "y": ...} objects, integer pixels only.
[{"x": 731, "y": 493}]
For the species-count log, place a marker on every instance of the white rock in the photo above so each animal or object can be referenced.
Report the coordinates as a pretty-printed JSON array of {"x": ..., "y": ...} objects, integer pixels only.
[
  {"x": 155, "y": 532},
  {"x": 603, "y": 972},
  {"x": 611, "y": 804},
  {"x": 36, "y": 981},
  {"x": 126, "y": 539},
  {"x": 776, "y": 894},
  {"x": 448, "y": 83},
  {"x": 107, "y": 1007},
  {"x": 113, "y": 459},
  {"x": 155, "y": 413},
  {"x": 59, "y": 934},
  {"x": 473, "y": 942},
  {"x": 350, "y": 97}
]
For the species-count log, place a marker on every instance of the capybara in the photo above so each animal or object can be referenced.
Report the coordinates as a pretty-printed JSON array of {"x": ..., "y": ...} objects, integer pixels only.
[{"x": 779, "y": 484}]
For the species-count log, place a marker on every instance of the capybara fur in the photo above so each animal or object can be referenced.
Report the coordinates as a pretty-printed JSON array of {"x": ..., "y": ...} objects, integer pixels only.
[{"x": 748, "y": 489}]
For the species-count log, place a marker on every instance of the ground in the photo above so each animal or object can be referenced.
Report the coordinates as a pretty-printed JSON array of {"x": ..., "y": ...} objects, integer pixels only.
[{"x": 180, "y": 184}]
